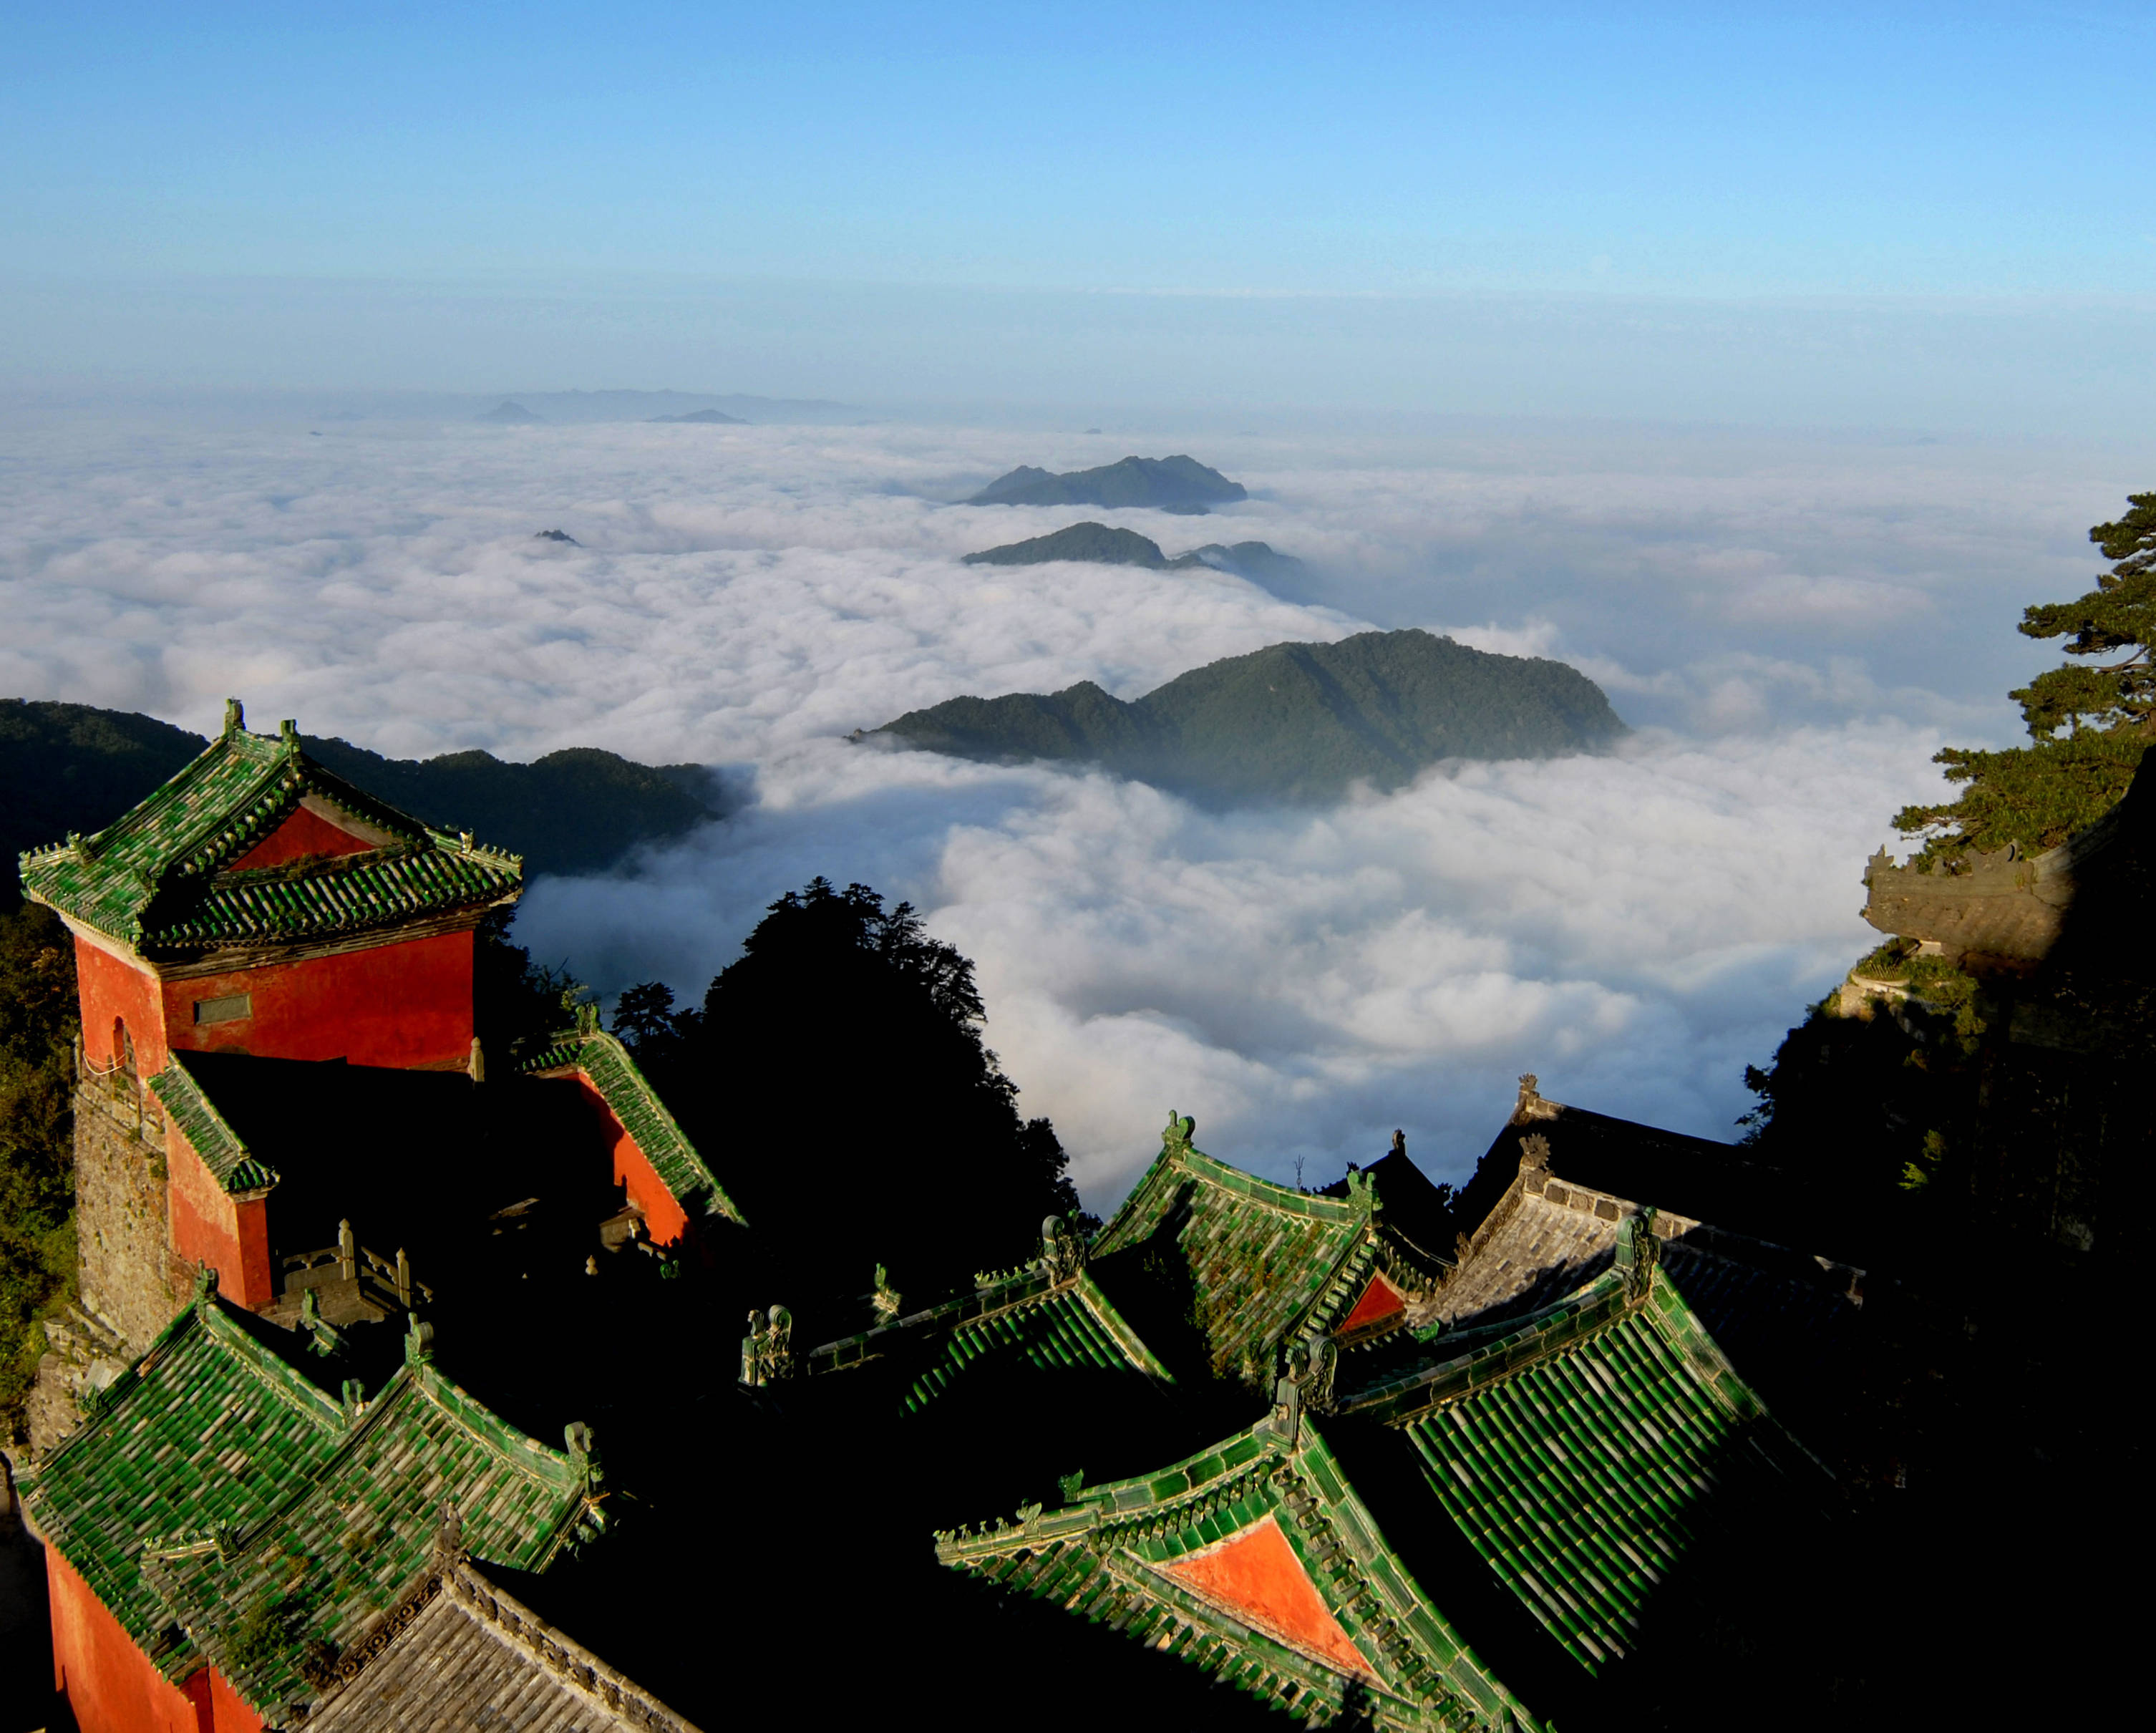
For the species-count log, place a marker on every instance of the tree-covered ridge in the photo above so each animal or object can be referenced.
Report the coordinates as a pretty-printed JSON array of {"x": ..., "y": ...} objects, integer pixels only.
[
  {"x": 38, "y": 1026},
  {"x": 1098, "y": 545},
  {"x": 1095, "y": 544},
  {"x": 1171, "y": 484},
  {"x": 70, "y": 768},
  {"x": 2037, "y": 796},
  {"x": 1293, "y": 721}
]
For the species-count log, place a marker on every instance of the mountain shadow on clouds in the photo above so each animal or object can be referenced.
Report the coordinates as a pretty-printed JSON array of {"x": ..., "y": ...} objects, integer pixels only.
[
  {"x": 1175, "y": 484},
  {"x": 1292, "y": 721}
]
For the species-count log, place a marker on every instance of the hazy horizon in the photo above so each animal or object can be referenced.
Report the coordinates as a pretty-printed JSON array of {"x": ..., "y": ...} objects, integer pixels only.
[{"x": 1764, "y": 365}]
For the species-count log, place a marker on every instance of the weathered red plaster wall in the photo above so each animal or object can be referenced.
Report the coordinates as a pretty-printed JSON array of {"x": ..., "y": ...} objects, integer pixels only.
[
  {"x": 1256, "y": 1575},
  {"x": 110, "y": 1684},
  {"x": 301, "y": 835},
  {"x": 107, "y": 988},
  {"x": 405, "y": 1005},
  {"x": 1379, "y": 1300},
  {"x": 209, "y": 1226},
  {"x": 665, "y": 1220},
  {"x": 228, "y": 1713}
]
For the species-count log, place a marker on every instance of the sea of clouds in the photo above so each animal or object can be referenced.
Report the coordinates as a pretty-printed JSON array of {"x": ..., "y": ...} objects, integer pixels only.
[{"x": 1792, "y": 625}]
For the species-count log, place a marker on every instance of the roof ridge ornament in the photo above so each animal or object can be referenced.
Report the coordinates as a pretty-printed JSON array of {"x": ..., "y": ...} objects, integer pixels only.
[
  {"x": 1063, "y": 1250},
  {"x": 1533, "y": 1105},
  {"x": 1638, "y": 1252},
  {"x": 767, "y": 1350},
  {"x": 236, "y": 718},
  {"x": 1175, "y": 1139}
]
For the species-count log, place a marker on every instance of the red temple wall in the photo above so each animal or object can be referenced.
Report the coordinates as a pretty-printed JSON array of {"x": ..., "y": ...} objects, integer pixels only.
[
  {"x": 404, "y": 1005},
  {"x": 301, "y": 835},
  {"x": 665, "y": 1220},
  {"x": 110, "y": 1685},
  {"x": 210, "y": 1226},
  {"x": 229, "y": 1711},
  {"x": 107, "y": 988}
]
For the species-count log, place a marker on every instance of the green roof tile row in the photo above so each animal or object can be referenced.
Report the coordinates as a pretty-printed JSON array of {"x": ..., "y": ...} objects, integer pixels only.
[
  {"x": 607, "y": 1065},
  {"x": 1264, "y": 1259},
  {"x": 351, "y": 1538},
  {"x": 207, "y": 1129},
  {"x": 1058, "y": 1332},
  {"x": 215, "y": 1485},
  {"x": 206, "y": 1429},
  {"x": 157, "y": 877},
  {"x": 1104, "y": 1557},
  {"x": 1581, "y": 1477}
]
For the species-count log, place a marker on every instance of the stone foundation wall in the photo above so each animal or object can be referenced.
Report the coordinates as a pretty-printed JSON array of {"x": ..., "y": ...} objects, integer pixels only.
[{"x": 130, "y": 1278}]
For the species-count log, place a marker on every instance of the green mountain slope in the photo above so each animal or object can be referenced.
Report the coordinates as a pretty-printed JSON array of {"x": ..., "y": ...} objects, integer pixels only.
[
  {"x": 1094, "y": 542},
  {"x": 1175, "y": 484},
  {"x": 73, "y": 767},
  {"x": 1282, "y": 573},
  {"x": 1292, "y": 721},
  {"x": 1101, "y": 546}
]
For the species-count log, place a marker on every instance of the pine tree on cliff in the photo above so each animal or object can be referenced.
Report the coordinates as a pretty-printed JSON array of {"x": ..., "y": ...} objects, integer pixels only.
[{"x": 2039, "y": 795}]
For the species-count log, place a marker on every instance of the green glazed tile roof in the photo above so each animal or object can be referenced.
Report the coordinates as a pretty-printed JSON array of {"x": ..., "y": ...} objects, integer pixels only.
[
  {"x": 1581, "y": 1476},
  {"x": 207, "y": 1428},
  {"x": 1265, "y": 1260},
  {"x": 156, "y": 878},
  {"x": 1061, "y": 1330},
  {"x": 213, "y": 1140},
  {"x": 351, "y": 1538},
  {"x": 630, "y": 1097},
  {"x": 215, "y": 1482},
  {"x": 1103, "y": 1557}
]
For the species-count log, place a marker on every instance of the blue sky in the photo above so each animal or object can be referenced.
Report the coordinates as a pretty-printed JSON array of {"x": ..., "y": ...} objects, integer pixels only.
[{"x": 1976, "y": 155}]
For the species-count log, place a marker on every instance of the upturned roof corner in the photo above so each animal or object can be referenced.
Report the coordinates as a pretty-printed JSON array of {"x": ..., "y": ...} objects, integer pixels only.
[{"x": 161, "y": 877}]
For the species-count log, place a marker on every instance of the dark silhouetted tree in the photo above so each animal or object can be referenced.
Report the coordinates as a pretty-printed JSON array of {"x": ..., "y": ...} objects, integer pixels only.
[{"x": 837, "y": 1076}]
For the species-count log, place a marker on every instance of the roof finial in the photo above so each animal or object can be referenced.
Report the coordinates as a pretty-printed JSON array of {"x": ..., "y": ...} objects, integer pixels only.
[
  {"x": 235, "y": 717},
  {"x": 1532, "y": 1104},
  {"x": 288, "y": 732}
]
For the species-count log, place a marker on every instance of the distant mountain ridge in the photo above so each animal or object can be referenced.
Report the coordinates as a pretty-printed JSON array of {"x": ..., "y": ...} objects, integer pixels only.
[
  {"x": 703, "y": 418},
  {"x": 1174, "y": 484},
  {"x": 1097, "y": 544},
  {"x": 643, "y": 406},
  {"x": 69, "y": 768},
  {"x": 1292, "y": 721}
]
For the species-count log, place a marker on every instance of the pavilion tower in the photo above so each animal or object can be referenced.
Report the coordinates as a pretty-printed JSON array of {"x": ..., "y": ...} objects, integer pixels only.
[{"x": 256, "y": 904}]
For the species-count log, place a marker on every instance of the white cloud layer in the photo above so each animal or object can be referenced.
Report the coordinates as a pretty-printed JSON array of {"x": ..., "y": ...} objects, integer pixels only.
[{"x": 1795, "y": 627}]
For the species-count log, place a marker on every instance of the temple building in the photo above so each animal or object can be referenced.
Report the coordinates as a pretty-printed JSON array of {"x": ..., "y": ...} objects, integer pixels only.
[{"x": 365, "y": 1306}]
